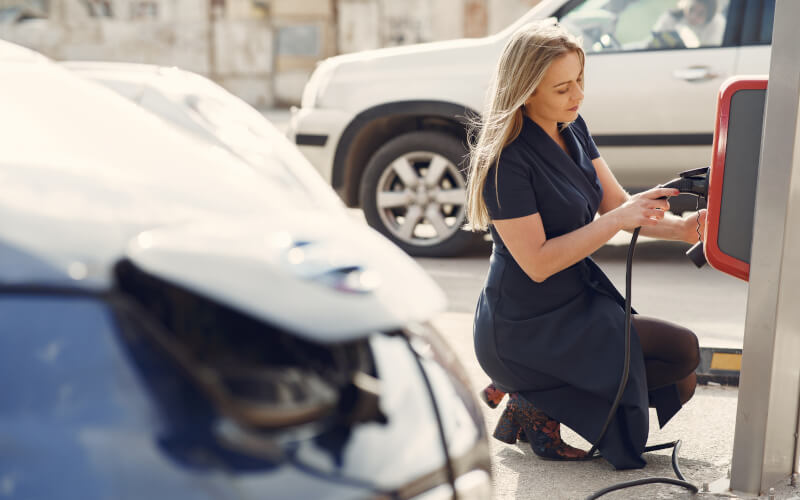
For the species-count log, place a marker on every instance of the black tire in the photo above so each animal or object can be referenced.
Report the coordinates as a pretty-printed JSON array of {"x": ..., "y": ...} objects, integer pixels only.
[{"x": 428, "y": 183}]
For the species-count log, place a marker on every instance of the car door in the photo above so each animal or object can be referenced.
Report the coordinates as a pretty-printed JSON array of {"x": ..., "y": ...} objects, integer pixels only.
[{"x": 651, "y": 92}]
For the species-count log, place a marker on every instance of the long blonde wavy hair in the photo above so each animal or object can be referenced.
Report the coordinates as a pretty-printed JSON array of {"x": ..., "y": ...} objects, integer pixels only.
[{"x": 523, "y": 63}]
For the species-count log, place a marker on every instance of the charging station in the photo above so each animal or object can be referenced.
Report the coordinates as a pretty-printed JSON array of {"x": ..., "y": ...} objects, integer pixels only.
[
  {"x": 734, "y": 174},
  {"x": 754, "y": 233}
]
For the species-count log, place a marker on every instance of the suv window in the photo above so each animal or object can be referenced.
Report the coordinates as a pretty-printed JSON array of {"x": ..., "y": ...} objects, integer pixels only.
[
  {"x": 626, "y": 25},
  {"x": 751, "y": 21}
]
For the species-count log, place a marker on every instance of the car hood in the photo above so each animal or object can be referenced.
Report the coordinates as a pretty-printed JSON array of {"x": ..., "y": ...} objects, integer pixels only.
[
  {"x": 420, "y": 71},
  {"x": 92, "y": 179},
  {"x": 418, "y": 52},
  {"x": 322, "y": 276},
  {"x": 410, "y": 72}
]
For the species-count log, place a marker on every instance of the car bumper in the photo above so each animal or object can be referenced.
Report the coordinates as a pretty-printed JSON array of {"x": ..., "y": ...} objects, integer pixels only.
[{"x": 316, "y": 133}]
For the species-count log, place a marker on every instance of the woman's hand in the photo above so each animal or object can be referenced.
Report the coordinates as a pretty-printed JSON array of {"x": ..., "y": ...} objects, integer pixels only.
[
  {"x": 694, "y": 226},
  {"x": 643, "y": 209}
]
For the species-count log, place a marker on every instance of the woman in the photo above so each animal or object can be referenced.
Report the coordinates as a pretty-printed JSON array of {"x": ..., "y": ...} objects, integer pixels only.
[{"x": 549, "y": 325}]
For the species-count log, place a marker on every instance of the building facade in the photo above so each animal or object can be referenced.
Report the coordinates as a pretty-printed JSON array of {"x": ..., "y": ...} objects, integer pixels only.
[{"x": 261, "y": 50}]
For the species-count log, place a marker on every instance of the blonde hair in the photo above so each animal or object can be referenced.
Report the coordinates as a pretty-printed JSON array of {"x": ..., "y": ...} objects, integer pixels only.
[{"x": 522, "y": 65}]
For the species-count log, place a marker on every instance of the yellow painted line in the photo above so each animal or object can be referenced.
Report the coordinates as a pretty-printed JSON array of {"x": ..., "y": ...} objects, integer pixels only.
[{"x": 726, "y": 361}]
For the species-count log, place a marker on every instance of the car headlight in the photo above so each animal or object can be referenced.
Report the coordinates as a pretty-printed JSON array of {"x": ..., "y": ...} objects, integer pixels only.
[{"x": 317, "y": 84}]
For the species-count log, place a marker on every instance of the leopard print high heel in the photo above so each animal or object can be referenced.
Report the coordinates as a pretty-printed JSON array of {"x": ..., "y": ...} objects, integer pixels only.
[{"x": 542, "y": 432}]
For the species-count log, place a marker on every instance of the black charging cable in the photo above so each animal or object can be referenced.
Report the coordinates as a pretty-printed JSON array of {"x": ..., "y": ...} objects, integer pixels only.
[
  {"x": 451, "y": 473},
  {"x": 675, "y": 445}
]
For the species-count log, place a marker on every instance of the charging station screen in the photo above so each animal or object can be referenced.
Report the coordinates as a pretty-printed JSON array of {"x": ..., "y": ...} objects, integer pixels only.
[{"x": 745, "y": 124}]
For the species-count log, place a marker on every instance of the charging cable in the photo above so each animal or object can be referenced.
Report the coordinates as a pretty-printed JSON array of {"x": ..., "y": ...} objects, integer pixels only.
[
  {"x": 675, "y": 445},
  {"x": 451, "y": 475}
]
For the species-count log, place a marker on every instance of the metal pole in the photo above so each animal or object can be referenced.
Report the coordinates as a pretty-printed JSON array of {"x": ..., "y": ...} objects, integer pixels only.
[{"x": 769, "y": 388}]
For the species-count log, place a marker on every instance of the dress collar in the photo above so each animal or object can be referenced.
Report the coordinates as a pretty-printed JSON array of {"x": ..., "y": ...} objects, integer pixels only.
[{"x": 575, "y": 166}]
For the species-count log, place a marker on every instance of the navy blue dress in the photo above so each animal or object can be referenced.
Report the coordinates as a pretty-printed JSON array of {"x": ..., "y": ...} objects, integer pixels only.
[{"x": 560, "y": 343}]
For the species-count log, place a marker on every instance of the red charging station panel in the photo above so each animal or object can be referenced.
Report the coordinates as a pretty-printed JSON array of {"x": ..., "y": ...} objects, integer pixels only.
[{"x": 734, "y": 174}]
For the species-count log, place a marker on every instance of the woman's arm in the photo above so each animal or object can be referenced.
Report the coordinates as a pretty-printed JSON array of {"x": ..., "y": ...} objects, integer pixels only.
[
  {"x": 670, "y": 227},
  {"x": 677, "y": 228},
  {"x": 540, "y": 257}
]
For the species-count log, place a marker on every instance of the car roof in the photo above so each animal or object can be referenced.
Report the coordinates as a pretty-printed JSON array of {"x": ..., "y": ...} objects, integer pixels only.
[
  {"x": 135, "y": 81},
  {"x": 143, "y": 73},
  {"x": 92, "y": 179}
]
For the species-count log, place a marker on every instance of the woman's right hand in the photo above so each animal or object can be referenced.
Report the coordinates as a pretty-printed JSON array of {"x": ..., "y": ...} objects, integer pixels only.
[{"x": 643, "y": 209}]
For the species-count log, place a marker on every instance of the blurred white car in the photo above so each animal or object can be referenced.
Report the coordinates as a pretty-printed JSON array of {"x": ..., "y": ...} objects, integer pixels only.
[
  {"x": 175, "y": 324},
  {"x": 386, "y": 128}
]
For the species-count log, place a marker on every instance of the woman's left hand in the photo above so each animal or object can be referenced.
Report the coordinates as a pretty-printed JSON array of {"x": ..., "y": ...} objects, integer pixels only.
[{"x": 691, "y": 229}]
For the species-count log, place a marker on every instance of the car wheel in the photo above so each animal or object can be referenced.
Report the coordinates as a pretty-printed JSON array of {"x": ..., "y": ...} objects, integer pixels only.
[{"x": 414, "y": 192}]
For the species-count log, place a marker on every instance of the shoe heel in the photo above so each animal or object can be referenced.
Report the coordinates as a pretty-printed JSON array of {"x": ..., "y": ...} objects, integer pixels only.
[
  {"x": 507, "y": 429},
  {"x": 544, "y": 433},
  {"x": 492, "y": 396}
]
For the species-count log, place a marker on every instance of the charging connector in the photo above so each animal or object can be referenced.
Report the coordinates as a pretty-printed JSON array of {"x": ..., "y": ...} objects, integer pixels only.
[{"x": 693, "y": 182}]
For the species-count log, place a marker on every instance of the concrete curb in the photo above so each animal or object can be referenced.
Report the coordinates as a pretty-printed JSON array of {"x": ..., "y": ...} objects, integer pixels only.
[{"x": 719, "y": 365}]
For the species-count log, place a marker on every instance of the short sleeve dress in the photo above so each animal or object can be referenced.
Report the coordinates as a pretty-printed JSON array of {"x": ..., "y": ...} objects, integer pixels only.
[{"x": 560, "y": 343}]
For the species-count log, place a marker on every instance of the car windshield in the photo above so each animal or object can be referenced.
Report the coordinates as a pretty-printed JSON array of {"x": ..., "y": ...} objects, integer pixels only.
[{"x": 249, "y": 135}]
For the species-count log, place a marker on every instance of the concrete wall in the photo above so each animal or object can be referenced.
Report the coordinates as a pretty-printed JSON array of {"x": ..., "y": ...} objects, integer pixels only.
[
  {"x": 305, "y": 32},
  {"x": 234, "y": 46},
  {"x": 502, "y": 13},
  {"x": 371, "y": 24},
  {"x": 261, "y": 50}
]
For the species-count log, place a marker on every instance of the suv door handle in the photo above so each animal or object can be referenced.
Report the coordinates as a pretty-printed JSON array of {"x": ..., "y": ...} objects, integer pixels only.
[{"x": 695, "y": 74}]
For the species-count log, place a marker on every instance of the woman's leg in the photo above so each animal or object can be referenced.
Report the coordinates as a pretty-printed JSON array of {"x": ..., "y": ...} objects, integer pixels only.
[{"x": 671, "y": 354}]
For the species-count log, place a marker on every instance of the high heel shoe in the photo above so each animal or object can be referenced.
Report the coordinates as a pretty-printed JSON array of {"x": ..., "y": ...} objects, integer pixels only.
[
  {"x": 507, "y": 429},
  {"x": 543, "y": 433},
  {"x": 491, "y": 395}
]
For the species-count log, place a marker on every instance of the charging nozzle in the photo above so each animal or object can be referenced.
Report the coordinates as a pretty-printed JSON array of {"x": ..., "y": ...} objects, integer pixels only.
[{"x": 693, "y": 182}]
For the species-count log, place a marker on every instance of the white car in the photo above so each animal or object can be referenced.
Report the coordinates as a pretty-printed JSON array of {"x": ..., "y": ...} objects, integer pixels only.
[
  {"x": 176, "y": 324},
  {"x": 386, "y": 128}
]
